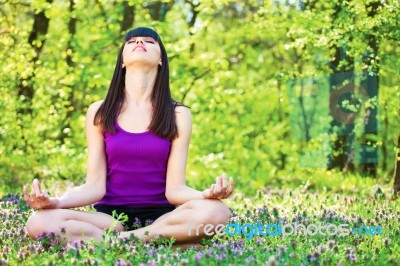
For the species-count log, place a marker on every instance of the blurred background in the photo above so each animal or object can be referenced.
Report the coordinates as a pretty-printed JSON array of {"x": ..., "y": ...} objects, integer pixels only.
[{"x": 282, "y": 93}]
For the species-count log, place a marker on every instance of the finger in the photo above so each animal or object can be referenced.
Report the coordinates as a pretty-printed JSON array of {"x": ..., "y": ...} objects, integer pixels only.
[
  {"x": 26, "y": 196},
  {"x": 36, "y": 184},
  {"x": 33, "y": 189},
  {"x": 219, "y": 195},
  {"x": 33, "y": 195},
  {"x": 45, "y": 196},
  {"x": 212, "y": 190},
  {"x": 224, "y": 187},
  {"x": 220, "y": 179},
  {"x": 42, "y": 196},
  {"x": 218, "y": 185},
  {"x": 224, "y": 183},
  {"x": 229, "y": 190}
]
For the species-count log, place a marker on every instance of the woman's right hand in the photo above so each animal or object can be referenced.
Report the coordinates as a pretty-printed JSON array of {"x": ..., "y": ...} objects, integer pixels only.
[{"x": 39, "y": 199}]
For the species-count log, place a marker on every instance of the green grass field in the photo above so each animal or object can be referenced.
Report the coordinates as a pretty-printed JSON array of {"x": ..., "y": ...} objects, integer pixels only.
[{"x": 354, "y": 202}]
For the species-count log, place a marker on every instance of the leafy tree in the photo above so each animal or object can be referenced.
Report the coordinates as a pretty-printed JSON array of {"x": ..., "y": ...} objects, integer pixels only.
[{"x": 255, "y": 74}]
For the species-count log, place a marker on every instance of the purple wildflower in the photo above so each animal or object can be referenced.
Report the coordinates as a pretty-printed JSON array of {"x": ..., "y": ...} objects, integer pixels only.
[
  {"x": 198, "y": 257},
  {"x": 352, "y": 257},
  {"x": 151, "y": 263},
  {"x": 220, "y": 256},
  {"x": 121, "y": 262}
]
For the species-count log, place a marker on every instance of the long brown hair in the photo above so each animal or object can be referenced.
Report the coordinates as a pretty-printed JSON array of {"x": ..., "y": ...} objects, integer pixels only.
[{"x": 163, "y": 119}]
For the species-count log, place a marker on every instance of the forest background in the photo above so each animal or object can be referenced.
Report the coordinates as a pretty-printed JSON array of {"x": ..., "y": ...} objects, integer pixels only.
[{"x": 282, "y": 93}]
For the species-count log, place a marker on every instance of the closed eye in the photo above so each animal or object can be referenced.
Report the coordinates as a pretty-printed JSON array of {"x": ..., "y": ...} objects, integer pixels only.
[{"x": 148, "y": 41}]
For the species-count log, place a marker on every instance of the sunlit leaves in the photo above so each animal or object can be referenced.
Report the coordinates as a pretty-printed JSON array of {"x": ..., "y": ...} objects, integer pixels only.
[{"x": 230, "y": 61}]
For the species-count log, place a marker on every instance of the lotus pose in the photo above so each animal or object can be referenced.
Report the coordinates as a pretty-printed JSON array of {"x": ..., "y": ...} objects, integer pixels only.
[{"x": 138, "y": 139}]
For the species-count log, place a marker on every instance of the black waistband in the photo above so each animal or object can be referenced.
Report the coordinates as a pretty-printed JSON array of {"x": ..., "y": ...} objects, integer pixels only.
[{"x": 123, "y": 207}]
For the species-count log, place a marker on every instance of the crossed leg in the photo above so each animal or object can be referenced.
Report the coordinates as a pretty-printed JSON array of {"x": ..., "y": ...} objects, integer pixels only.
[
  {"x": 78, "y": 225},
  {"x": 185, "y": 223},
  {"x": 90, "y": 225}
]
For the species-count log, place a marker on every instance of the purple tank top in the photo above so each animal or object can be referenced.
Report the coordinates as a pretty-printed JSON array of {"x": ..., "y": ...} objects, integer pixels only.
[{"x": 136, "y": 169}]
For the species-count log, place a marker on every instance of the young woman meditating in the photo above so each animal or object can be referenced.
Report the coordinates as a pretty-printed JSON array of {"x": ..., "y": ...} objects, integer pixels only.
[{"x": 138, "y": 139}]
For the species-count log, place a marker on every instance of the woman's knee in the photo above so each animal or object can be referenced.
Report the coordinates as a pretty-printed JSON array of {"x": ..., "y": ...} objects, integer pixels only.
[
  {"x": 36, "y": 223},
  {"x": 211, "y": 211},
  {"x": 219, "y": 213},
  {"x": 53, "y": 220}
]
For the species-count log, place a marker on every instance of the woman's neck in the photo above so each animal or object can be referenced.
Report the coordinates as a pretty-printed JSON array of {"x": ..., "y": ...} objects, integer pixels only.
[{"x": 139, "y": 85}]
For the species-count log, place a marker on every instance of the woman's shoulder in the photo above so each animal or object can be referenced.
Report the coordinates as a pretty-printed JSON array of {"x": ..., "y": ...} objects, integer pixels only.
[
  {"x": 91, "y": 114},
  {"x": 182, "y": 109},
  {"x": 183, "y": 119},
  {"x": 95, "y": 106}
]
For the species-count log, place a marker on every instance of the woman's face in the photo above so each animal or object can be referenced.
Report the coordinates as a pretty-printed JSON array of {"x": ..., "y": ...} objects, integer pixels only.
[{"x": 141, "y": 50}]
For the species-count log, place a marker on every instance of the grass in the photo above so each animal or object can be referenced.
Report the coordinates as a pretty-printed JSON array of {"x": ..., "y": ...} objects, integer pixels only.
[{"x": 314, "y": 201}]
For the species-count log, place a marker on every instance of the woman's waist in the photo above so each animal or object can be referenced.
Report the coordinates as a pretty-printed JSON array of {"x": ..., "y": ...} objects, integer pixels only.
[{"x": 130, "y": 208}]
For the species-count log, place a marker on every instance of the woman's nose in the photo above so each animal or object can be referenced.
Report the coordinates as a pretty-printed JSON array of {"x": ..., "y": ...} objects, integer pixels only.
[{"x": 137, "y": 41}]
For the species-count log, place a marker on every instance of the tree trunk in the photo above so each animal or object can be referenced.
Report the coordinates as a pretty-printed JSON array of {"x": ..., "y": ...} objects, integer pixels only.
[
  {"x": 341, "y": 87},
  {"x": 128, "y": 17},
  {"x": 71, "y": 65},
  {"x": 195, "y": 12},
  {"x": 342, "y": 126},
  {"x": 38, "y": 32},
  {"x": 369, "y": 154},
  {"x": 282, "y": 155},
  {"x": 158, "y": 10},
  {"x": 72, "y": 32},
  {"x": 396, "y": 184}
]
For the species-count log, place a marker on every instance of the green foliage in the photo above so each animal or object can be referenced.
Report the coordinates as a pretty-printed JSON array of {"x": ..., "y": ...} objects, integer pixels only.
[{"x": 231, "y": 62}]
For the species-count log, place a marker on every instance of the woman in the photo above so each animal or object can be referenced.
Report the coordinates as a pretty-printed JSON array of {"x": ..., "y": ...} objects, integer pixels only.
[{"x": 138, "y": 140}]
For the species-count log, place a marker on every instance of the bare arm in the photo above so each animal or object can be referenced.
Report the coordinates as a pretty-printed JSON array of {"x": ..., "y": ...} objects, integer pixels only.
[
  {"x": 95, "y": 186},
  {"x": 177, "y": 192}
]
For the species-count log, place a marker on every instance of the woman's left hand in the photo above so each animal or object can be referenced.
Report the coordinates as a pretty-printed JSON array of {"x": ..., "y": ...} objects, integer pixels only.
[{"x": 222, "y": 188}]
